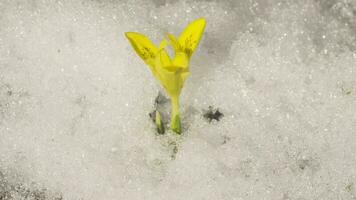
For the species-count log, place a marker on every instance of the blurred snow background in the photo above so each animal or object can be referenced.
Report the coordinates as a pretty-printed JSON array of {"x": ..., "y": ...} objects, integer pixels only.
[{"x": 74, "y": 101}]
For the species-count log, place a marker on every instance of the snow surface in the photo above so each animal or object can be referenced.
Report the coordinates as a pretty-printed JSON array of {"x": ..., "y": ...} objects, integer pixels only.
[{"x": 74, "y": 101}]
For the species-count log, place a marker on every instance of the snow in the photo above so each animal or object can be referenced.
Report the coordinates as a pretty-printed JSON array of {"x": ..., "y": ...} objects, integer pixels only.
[{"x": 75, "y": 99}]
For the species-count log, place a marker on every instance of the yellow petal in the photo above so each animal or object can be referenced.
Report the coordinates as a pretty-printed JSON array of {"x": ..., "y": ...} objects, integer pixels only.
[
  {"x": 143, "y": 47},
  {"x": 170, "y": 81},
  {"x": 162, "y": 59},
  {"x": 162, "y": 45},
  {"x": 168, "y": 76},
  {"x": 183, "y": 77},
  {"x": 181, "y": 60},
  {"x": 174, "y": 42},
  {"x": 190, "y": 37}
]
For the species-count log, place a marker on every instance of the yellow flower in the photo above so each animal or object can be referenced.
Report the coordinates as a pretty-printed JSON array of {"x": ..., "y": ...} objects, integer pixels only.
[{"x": 171, "y": 73}]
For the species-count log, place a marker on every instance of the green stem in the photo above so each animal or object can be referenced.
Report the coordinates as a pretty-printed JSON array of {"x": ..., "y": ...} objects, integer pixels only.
[
  {"x": 175, "y": 118},
  {"x": 159, "y": 123}
]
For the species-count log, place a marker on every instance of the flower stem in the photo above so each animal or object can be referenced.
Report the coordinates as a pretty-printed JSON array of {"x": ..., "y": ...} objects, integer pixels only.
[
  {"x": 159, "y": 123},
  {"x": 175, "y": 118}
]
